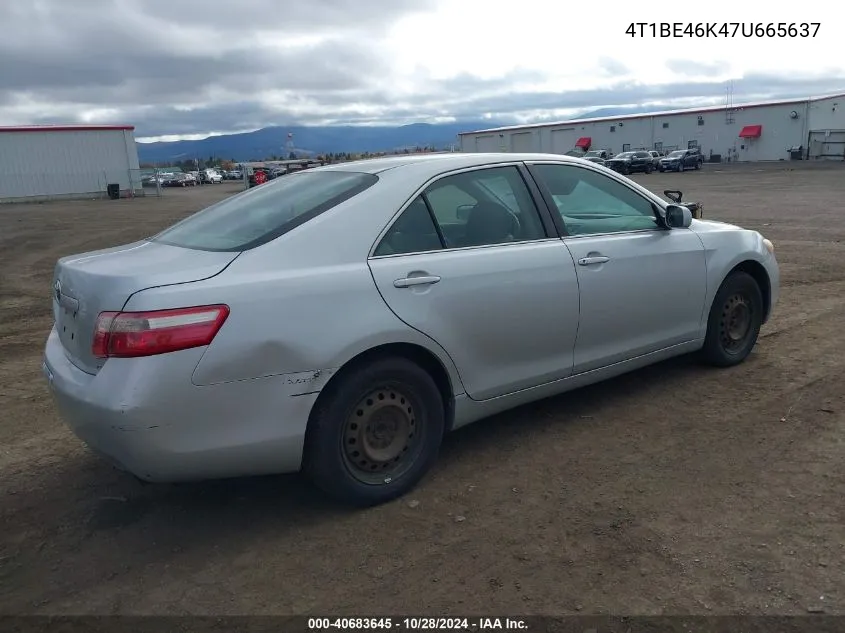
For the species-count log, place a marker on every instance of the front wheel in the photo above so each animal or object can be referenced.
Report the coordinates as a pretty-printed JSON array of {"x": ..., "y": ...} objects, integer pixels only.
[
  {"x": 648, "y": 169},
  {"x": 734, "y": 322},
  {"x": 375, "y": 432},
  {"x": 698, "y": 165}
]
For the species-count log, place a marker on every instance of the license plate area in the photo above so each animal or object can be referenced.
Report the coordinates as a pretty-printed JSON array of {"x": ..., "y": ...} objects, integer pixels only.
[{"x": 67, "y": 325}]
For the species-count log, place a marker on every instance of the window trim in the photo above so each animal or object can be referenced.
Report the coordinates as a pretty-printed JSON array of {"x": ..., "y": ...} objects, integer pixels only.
[
  {"x": 547, "y": 219},
  {"x": 652, "y": 199}
]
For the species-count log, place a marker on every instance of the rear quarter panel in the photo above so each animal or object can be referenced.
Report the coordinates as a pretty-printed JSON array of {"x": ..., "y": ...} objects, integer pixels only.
[
  {"x": 291, "y": 323},
  {"x": 305, "y": 302}
]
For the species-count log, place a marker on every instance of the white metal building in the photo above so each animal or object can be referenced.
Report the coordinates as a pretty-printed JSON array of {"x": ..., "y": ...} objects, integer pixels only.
[
  {"x": 71, "y": 161},
  {"x": 762, "y": 131}
]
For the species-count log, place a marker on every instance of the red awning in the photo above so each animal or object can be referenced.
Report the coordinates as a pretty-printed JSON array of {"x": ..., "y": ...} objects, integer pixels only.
[
  {"x": 584, "y": 142},
  {"x": 751, "y": 131}
]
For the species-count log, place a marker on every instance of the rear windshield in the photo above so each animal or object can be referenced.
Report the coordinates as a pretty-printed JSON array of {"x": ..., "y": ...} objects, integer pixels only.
[{"x": 261, "y": 214}]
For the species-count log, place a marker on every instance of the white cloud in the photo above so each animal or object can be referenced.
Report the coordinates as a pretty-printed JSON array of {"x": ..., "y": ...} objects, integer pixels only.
[
  {"x": 565, "y": 40},
  {"x": 239, "y": 66}
]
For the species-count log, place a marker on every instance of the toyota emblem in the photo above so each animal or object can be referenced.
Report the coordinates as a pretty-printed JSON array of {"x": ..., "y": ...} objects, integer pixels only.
[{"x": 58, "y": 290}]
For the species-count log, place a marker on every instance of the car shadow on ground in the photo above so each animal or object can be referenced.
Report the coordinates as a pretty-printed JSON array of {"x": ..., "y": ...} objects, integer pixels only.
[{"x": 194, "y": 507}]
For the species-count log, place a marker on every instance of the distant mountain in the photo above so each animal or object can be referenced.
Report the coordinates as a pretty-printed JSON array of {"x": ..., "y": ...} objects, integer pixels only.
[
  {"x": 611, "y": 112},
  {"x": 271, "y": 141}
]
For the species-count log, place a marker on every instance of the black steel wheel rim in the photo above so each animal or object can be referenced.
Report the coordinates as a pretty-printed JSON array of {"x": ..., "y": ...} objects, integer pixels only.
[
  {"x": 382, "y": 436},
  {"x": 735, "y": 323}
]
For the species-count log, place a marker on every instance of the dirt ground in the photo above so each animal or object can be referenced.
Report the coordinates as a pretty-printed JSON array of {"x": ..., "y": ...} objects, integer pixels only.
[{"x": 676, "y": 489}]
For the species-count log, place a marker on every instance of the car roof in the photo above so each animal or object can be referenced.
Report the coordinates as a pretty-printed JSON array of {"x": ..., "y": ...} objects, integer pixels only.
[{"x": 443, "y": 162}]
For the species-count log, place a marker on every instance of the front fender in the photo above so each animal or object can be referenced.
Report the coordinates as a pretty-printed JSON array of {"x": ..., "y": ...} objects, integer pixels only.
[{"x": 727, "y": 247}]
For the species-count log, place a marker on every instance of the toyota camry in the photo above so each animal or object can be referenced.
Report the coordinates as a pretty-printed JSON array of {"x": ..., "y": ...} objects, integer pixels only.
[{"x": 341, "y": 320}]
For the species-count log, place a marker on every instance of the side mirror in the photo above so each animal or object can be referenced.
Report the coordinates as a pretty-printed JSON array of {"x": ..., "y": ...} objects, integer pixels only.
[{"x": 678, "y": 216}]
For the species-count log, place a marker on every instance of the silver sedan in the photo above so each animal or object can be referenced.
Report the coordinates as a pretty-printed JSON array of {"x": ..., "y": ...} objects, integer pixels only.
[{"x": 340, "y": 320}]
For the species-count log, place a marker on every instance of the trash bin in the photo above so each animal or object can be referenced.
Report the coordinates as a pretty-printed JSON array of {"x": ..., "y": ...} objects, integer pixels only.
[{"x": 113, "y": 190}]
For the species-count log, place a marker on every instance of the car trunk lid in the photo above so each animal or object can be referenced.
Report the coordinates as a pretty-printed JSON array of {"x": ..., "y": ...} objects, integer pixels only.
[{"x": 85, "y": 285}]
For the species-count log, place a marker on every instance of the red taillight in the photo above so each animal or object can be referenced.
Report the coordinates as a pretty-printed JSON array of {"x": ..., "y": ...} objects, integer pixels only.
[{"x": 131, "y": 334}]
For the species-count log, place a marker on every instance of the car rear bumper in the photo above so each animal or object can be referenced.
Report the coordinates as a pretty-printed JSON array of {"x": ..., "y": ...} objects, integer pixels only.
[{"x": 146, "y": 417}]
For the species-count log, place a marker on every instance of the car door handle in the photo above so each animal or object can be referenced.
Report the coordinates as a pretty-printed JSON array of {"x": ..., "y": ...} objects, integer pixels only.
[
  {"x": 407, "y": 282},
  {"x": 599, "y": 259}
]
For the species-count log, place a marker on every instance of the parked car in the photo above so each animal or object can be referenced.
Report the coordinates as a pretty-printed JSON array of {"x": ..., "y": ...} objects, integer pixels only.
[
  {"x": 181, "y": 180},
  {"x": 340, "y": 320},
  {"x": 598, "y": 156},
  {"x": 211, "y": 176},
  {"x": 655, "y": 158},
  {"x": 631, "y": 162},
  {"x": 681, "y": 159}
]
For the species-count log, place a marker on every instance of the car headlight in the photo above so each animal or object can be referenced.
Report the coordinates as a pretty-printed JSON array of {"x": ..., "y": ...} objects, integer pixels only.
[{"x": 769, "y": 246}]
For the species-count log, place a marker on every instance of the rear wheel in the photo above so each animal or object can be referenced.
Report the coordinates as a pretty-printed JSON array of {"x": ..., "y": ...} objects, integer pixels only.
[
  {"x": 734, "y": 321},
  {"x": 375, "y": 433}
]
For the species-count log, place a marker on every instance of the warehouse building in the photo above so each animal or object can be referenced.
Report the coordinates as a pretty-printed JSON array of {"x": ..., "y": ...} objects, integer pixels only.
[
  {"x": 74, "y": 161},
  {"x": 811, "y": 128}
]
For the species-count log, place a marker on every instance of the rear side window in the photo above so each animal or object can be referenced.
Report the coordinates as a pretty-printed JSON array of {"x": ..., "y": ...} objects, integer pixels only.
[{"x": 261, "y": 214}]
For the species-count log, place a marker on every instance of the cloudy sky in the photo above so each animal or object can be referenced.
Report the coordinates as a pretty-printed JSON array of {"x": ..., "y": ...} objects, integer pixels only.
[{"x": 192, "y": 68}]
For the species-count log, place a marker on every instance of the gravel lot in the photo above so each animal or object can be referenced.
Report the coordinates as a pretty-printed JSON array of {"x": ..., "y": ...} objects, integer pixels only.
[{"x": 677, "y": 489}]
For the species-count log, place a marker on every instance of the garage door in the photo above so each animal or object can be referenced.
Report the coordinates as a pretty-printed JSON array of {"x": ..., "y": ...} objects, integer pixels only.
[
  {"x": 523, "y": 142},
  {"x": 486, "y": 143},
  {"x": 563, "y": 140}
]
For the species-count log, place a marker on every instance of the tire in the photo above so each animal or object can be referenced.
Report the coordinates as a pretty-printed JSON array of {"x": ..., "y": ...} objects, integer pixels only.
[
  {"x": 351, "y": 462},
  {"x": 698, "y": 165},
  {"x": 648, "y": 169},
  {"x": 734, "y": 322}
]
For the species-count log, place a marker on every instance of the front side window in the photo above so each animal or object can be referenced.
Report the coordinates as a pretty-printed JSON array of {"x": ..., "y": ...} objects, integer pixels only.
[
  {"x": 263, "y": 213},
  {"x": 476, "y": 208},
  {"x": 593, "y": 203}
]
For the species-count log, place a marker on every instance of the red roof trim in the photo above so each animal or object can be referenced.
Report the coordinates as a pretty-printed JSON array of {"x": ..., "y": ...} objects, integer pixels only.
[
  {"x": 751, "y": 131},
  {"x": 65, "y": 128}
]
